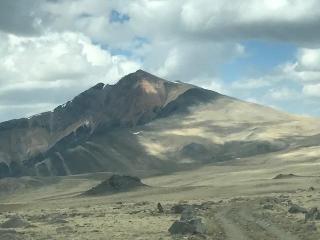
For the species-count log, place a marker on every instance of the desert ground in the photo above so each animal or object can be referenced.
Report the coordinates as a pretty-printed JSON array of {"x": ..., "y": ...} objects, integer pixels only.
[{"x": 239, "y": 199}]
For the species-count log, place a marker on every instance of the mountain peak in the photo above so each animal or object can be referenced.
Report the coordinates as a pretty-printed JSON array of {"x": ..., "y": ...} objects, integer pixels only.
[{"x": 138, "y": 77}]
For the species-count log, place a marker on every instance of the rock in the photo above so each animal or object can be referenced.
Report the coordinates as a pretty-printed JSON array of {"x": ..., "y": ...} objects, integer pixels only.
[
  {"x": 15, "y": 222},
  {"x": 312, "y": 214},
  {"x": 273, "y": 200},
  {"x": 143, "y": 203},
  {"x": 189, "y": 223},
  {"x": 10, "y": 234},
  {"x": 85, "y": 214},
  {"x": 58, "y": 218},
  {"x": 297, "y": 209},
  {"x": 179, "y": 208},
  {"x": 311, "y": 188},
  {"x": 160, "y": 208},
  {"x": 101, "y": 214},
  {"x": 193, "y": 226},
  {"x": 4, "y": 170},
  {"x": 64, "y": 229},
  {"x": 58, "y": 221},
  {"x": 285, "y": 176},
  {"x": 206, "y": 205},
  {"x": 311, "y": 227},
  {"x": 116, "y": 183},
  {"x": 187, "y": 214},
  {"x": 267, "y": 206}
]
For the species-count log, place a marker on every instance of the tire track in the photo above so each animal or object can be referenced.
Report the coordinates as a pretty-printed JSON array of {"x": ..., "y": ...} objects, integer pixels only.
[
  {"x": 231, "y": 229},
  {"x": 238, "y": 223}
]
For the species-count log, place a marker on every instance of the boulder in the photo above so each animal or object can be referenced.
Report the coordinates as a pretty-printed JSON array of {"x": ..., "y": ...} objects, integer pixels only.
[
  {"x": 160, "y": 208},
  {"x": 179, "y": 208},
  {"x": 312, "y": 214},
  {"x": 64, "y": 230},
  {"x": 187, "y": 214},
  {"x": 10, "y": 234},
  {"x": 311, "y": 227},
  {"x": 15, "y": 222},
  {"x": 297, "y": 209},
  {"x": 267, "y": 206},
  {"x": 311, "y": 189},
  {"x": 192, "y": 226},
  {"x": 189, "y": 223}
]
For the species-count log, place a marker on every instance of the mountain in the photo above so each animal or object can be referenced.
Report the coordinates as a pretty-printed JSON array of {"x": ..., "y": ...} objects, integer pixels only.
[{"x": 146, "y": 124}]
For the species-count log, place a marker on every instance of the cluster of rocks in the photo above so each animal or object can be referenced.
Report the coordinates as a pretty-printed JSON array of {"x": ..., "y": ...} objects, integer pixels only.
[
  {"x": 10, "y": 234},
  {"x": 189, "y": 222},
  {"x": 310, "y": 215},
  {"x": 15, "y": 222},
  {"x": 7, "y": 228}
]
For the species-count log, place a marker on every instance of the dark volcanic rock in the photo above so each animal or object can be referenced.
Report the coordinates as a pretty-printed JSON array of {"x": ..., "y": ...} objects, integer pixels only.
[
  {"x": 160, "y": 208},
  {"x": 15, "y": 222},
  {"x": 285, "y": 176},
  {"x": 311, "y": 227},
  {"x": 311, "y": 189},
  {"x": 116, "y": 183},
  {"x": 189, "y": 223},
  {"x": 192, "y": 226},
  {"x": 187, "y": 214},
  {"x": 267, "y": 206},
  {"x": 312, "y": 214},
  {"x": 297, "y": 209},
  {"x": 4, "y": 169},
  {"x": 10, "y": 234},
  {"x": 179, "y": 208}
]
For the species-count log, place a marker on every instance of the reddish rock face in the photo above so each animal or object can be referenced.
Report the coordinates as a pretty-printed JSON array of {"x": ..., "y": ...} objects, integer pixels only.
[{"x": 137, "y": 98}]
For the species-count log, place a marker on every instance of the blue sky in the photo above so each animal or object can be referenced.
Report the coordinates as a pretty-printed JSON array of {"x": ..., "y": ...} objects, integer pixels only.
[
  {"x": 261, "y": 57},
  {"x": 266, "y": 52}
]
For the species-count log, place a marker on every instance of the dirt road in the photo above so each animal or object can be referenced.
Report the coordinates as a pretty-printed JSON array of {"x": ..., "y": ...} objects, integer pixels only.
[{"x": 244, "y": 220}]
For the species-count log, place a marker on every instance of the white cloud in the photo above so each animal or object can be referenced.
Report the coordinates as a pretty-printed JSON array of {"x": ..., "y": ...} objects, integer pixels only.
[
  {"x": 309, "y": 59},
  {"x": 187, "y": 60},
  {"x": 54, "y": 68},
  {"x": 283, "y": 93},
  {"x": 305, "y": 69},
  {"x": 74, "y": 44},
  {"x": 251, "y": 83},
  {"x": 213, "y": 84},
  {"x": 312, "y": 90}
]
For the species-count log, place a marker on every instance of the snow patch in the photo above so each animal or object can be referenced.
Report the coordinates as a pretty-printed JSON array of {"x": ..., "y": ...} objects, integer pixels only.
[{"x": 137, "y": 133}]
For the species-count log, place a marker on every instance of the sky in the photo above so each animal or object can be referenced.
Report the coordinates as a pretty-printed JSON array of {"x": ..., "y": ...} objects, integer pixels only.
[{"x": 263, "y": 51}]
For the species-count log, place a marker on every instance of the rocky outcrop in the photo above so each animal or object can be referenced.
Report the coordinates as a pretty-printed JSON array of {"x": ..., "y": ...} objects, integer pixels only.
[
  {"x": 15, "y": 222},
  {"x": 189, "y": 223},
  {"x": 297, "y": 209},
  {"x": 116, "y": 183},
  {"x": 312, "y": 214},
  {"x": 285, "y": 176}
]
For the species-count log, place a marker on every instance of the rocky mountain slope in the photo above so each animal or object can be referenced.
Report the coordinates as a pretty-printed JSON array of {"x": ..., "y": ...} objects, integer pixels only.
[{"x": 145, "y": 123}]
